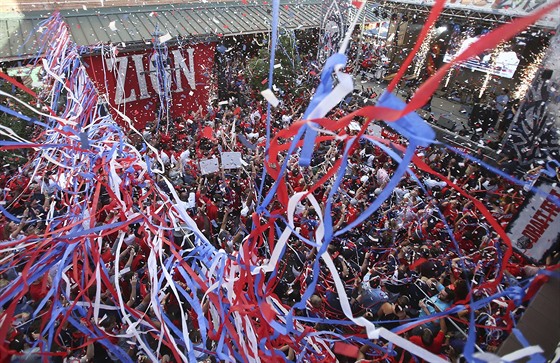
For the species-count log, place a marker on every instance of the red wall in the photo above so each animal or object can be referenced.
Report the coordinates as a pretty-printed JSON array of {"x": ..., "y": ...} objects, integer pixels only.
[{"x": 190, "y": 70}]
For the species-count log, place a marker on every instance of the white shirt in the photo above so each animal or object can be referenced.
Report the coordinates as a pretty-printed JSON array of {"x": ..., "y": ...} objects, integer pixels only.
[
  {"x": 430, "y": 183},
  {"x": 382, "y": 176}
]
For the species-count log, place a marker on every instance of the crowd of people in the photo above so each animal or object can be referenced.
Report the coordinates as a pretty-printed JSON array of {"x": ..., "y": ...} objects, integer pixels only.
[{"x": 426, "y": 249}]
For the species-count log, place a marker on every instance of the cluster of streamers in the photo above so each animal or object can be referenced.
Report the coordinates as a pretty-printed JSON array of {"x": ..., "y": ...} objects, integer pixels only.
[
  {"x": 160, "y": 58},
  {"x": 106, "y": 188},
  {"x": 332, "y": 27},
  {"x": 102, "y": 187},
  {"x": 291, "y": 54}
]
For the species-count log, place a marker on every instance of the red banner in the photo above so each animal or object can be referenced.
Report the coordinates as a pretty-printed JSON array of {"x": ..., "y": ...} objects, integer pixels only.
[{"x": 131, "y": 80}]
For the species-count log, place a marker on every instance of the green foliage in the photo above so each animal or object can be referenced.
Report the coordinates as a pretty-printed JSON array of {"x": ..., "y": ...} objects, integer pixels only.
[
  {"x": 258, "y": 70},
  {"x": 285, "y": 75}
]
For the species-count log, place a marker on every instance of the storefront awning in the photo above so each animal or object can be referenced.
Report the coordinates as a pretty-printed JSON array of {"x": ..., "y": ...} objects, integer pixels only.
[{"x": 133, "y": 26}]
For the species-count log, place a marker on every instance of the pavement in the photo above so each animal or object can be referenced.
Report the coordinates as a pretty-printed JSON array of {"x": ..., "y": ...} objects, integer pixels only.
[
  {"x": 449, "y": 117},
  {"x": 453, "y": 111}
]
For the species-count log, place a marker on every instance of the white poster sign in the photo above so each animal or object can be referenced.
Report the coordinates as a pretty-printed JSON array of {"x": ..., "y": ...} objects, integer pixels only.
[
  {"x": 209, "y": 166},
  {"x": 374, "y": 129},
  {"x": 231, "y": 160}
]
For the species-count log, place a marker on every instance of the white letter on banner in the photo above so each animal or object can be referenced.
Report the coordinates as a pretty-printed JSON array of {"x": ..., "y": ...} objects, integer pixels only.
[
  {"x": 141, "y": 75},
  {"x": 122, "y": 63},
  {"x": 180, "y": 65},
  {"x": 154, "y": 73}
]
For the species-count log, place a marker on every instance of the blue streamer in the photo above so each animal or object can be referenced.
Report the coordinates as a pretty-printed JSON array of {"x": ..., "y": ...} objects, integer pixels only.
[
  {"x": 324, "y": 88},
  {"x": 9, "y": 215}
]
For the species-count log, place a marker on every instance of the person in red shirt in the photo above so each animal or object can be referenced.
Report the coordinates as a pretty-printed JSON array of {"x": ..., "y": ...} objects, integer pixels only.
[
  {"x": 39, "y": 288},
  {"x": 353, "y": 211},
  {"x": 428, "y": 341}
]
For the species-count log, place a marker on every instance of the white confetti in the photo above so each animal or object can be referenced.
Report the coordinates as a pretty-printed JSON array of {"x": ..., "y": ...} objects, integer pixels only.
[
  {"x": 112, "y": 26},
  {"x": 270, "y": 97},
  {"x": 165, "y": 38}
]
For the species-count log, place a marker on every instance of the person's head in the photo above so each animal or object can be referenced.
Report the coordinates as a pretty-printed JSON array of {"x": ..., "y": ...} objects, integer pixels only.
[
  {"x": 402, "y": 303},
  {"x": 461, "y": 289},
  {"x": 18, "y": 343},
  {"x": 195, "y": 336},
  {"x": 316, "y": 301},
  {"x": 427, "y": 337},
  {"x": 109, "y": 323},
  {"x": 446, "y": 295},
  {"x": 375, "y": 281},
  {"x": 34, "y": 331}
]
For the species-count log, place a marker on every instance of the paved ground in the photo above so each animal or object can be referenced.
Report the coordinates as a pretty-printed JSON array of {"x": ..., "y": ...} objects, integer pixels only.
[
  {"x": 448, "y": 115},
  {"x": 442, "y": 107}
]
